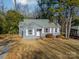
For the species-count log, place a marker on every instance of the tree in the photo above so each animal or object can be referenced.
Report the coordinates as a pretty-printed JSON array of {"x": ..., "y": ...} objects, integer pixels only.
[
  {"x": 56, "y": 13},
  {"x": 64, "y": 13},
  {"x": 13, "y": 18},
  {"x": 52, "y": 10},
  {"x": 44, "y": 5},
  {"x": 15, "y": 4},
  {"x": 3, "y": 23},
  {"x": 70, "y": 8},
  {"x": 76, "y": 22},
  {"x": 2, "y": 5}
]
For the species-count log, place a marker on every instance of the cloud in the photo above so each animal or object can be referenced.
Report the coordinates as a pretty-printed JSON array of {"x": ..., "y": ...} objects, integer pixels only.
[{"x": 22, "y": 2}]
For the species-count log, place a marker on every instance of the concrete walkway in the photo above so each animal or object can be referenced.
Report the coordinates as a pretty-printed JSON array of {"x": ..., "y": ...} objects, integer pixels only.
[{"x": 3, "y": 56}]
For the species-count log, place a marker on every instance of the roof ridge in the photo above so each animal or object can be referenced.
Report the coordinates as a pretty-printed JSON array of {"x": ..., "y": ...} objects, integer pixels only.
[{"x": 34, "y": 23}]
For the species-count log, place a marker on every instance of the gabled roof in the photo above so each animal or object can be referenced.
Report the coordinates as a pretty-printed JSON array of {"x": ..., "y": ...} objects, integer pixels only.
[
  {"x": 38, "y": 23},
  {"x": 33, "y": 25}
]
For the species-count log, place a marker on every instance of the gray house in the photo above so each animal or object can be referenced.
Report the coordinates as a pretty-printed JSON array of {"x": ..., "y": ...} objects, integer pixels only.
[{"x": 34, "y": 28}]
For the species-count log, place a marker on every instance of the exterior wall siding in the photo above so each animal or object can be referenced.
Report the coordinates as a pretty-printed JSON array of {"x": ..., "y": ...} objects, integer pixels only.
[
  {"x": 34, "y": 24},
  {"x": 51, "y": 30},
  {"x": 56, "y": 33},
  {"x": 26, "y": 32},
  {"x": 33, "y": 32},
  {"x": 78, "y": 32},
  {"x": 42, "y": 30},
  {"x": 36, "y": 34}
]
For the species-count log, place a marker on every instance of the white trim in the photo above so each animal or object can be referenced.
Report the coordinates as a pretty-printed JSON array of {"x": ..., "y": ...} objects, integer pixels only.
[
  {"x": 37, "y": 33},
  {"x": 53, "y": 30},
  {"x": 50, "y": 30},
  {"x": 56, "y": 33},
  {"x": 58, "y": 30},
  {"x": 42, "y": 30},
  {"x": 33, "y": 32},
  {"x": 26, "y": 32}
]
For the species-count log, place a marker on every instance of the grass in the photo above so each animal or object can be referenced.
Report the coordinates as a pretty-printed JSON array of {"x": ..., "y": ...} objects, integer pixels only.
[{"x": 41, "y": 49}]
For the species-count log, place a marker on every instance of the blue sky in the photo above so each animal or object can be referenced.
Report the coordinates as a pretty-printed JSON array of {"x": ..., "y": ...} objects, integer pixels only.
[{"x": 8, "y": 4}]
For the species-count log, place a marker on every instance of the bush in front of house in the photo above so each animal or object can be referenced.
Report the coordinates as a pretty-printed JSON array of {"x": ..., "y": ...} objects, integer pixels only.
[
  {"x": 49, "y": 36},
  {"x": 60, "y": 36}
]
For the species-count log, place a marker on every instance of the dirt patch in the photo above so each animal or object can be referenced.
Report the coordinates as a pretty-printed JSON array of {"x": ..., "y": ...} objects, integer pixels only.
[
  {"x": 47, "y": 48},
  {"x": 42, "y": 49}
]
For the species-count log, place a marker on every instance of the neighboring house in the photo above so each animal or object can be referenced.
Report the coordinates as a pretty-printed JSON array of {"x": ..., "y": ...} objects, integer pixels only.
[
  {"x": 75, "y": 31},
  {"x": 34, "y": 28}
]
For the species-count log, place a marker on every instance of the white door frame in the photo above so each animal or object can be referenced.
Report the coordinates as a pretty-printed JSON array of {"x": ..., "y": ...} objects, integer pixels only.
[{"x": 37, "y": 33}]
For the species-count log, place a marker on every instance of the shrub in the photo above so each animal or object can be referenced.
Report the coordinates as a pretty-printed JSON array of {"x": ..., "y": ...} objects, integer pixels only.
[
  {"x": 60, "y": 36},
  {"x": 49, "y": 36}
]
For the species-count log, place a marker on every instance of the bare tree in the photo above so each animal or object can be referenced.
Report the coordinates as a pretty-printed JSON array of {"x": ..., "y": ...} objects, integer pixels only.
[
  {"x": 2, "y": 5},
  {"x": 15, "y": 4}
]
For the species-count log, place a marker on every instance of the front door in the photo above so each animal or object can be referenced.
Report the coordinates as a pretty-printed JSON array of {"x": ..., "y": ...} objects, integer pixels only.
[{"x": 38, "y": 33}]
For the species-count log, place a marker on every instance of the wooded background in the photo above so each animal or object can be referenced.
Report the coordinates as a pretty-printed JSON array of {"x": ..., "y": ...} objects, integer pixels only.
[{"x": 64, "y": 12}]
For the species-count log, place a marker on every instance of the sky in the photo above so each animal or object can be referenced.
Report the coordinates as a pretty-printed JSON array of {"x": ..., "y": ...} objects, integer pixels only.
[{"x": 10, "y": 3}]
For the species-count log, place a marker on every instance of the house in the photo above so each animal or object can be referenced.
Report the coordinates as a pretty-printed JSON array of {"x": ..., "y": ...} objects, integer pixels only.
[
  {"x": 34, "y": 28},
  {"x": 75, "y": 31}
]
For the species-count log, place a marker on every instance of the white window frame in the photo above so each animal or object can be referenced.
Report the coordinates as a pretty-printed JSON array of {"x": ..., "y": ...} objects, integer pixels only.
[
  {"x": 30, "y": 32},
  {"x": 56, "y": 29},
  {"x": 46, "y": 30}
]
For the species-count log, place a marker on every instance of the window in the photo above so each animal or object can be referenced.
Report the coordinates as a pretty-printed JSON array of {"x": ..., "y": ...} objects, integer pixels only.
[
  {"x": 29, "y": 31},
  {"x": 46, "y": 30},
  {"x": 39, "y": 29},
  {"x": 55, "y": 29},
  {"x": 22, "y": 33}
]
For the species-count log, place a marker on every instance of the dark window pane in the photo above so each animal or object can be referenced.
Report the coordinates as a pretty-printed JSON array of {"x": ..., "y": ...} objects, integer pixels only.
[
  {"x": 39, "y": 29},
  {"x": 55, "y": 29},
  {"x": 30, "y": 31},
  {"x": 46, "y": 30}
]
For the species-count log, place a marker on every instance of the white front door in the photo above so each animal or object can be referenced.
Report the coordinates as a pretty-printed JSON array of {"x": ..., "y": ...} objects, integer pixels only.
[{"x": 38, "y": 33}]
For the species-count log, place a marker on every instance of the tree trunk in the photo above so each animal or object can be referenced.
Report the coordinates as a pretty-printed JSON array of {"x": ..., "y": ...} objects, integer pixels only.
[
  {"x": 2, "y": 6},
  {"x": 69, "y": 27},
  {"x": 71, "y": 10},
  {"x": 15, "y": 4},
  {"x": 66, "y": 34}
]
